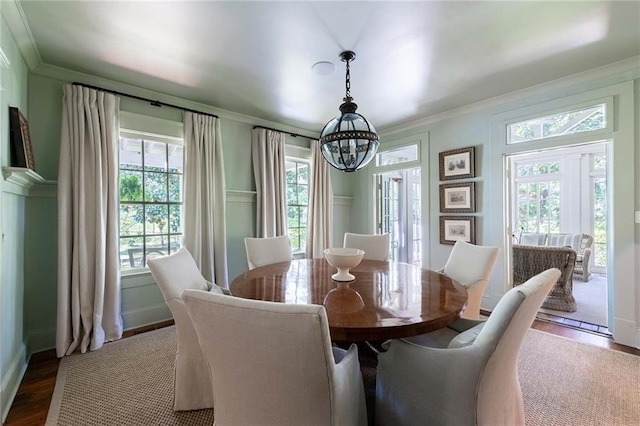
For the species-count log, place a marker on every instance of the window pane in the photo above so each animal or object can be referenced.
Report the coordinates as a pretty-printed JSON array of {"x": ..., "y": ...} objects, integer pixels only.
[
  {"x": 600, "y": 222},
  {"x": 294, "y": 236},
  {"x": 292, "y": 217},
  {"x": 131, "y": 253},
  {"x": 156, "y": 219},
  {"x": 303, "y": 192},
  {"x": 131, "y": 219},
  {"x": 599, "y": 162},
  {"x": 290, "y": 174},
  {"x": 302, "y": 214},
  {"x": 176, "y": 158},
  {"x": 155, "y": 187},
  {"x": 565, "y": 123},
  {"x": 175, "y": 188},
  {"x": 155, "y": 156},
  {"x": 175, "y": 242},
  {"x": 396, "y": 156},
  {"x": 130, "y": 186},
  {"x": 175, "y": 222},
  {"x": 303, "y": 174},
  {"x": 130, "y": 154}
]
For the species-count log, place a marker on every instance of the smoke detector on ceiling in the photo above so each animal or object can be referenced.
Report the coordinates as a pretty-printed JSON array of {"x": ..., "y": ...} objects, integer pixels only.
[{"x": 323, "y": 68}]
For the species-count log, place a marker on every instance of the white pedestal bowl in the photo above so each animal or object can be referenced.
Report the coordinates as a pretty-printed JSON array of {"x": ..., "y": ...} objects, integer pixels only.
[{"x": 343, "y": 259}]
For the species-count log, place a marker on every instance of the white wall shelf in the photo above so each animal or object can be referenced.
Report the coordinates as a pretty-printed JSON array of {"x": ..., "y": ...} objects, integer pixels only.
[{"x": 19, "y": 180}]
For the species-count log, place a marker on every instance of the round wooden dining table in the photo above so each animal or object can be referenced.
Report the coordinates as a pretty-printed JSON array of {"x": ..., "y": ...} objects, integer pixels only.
[{"x": 387, "y": 300}]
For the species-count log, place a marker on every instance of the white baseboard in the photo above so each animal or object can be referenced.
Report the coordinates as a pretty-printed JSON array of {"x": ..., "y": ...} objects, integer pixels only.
[
  {"x": 149, "y": 315},
  {"x": 11, "y": 381},
  {"x": 626, "y": 332}
]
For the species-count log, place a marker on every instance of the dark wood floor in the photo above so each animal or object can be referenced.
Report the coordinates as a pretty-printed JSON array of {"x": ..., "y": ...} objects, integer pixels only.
[{"x": 31, "y": 404}]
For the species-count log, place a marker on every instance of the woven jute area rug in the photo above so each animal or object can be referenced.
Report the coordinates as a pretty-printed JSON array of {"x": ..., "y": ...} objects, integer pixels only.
[{"x": 130, "y": 382}]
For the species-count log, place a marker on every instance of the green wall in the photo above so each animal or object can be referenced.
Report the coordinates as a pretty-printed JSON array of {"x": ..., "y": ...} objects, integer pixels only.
[
  {"x": 13, "y": 350},
  {"x": 142, "y": 302},
  {"x": 478, "y": 127}
]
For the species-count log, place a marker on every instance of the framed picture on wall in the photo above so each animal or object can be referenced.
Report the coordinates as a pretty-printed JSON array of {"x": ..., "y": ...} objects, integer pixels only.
[
  {"x": 454, "y": 228},
  {"x": 458, "y": 197},
  {"x": 20, "y": 140},
  {"x": 457, "y": 163}
]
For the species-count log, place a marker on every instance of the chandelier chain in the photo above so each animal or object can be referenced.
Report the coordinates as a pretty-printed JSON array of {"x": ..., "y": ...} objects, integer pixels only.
[{"x": 348, "y": 82}]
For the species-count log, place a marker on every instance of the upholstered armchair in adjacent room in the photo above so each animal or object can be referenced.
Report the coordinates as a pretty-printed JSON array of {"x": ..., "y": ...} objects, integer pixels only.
[
  {"x": 375, "y": 246},
  {"x": 471, "y": 266},
  {"x": 265, "y": 251},
  {"x": 583, "y": 256},
  {"x": 464, "y": 374},
  {"x": 273, "y": 363},
  {"x": 175, "y": 273}
]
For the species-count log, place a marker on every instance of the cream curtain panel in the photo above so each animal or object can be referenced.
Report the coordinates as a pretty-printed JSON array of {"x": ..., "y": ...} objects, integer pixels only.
[
  {"x": 204, "y": 198},
  {"x": 320, "y": 213},
  {"x": 88, "y": 258},
  {"x": 269, "y": 172}
]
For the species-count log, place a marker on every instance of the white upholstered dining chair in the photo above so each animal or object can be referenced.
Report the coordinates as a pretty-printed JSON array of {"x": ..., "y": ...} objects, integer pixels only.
[
  {"x": 375, "y": 246},
  {"x": 265, "y": 251},
  {"x": 175, "y": 273},
  {"x": 464, "y": 374},
  {"x": 471, "y": 266},
  {"x": 276, "y": 365}
]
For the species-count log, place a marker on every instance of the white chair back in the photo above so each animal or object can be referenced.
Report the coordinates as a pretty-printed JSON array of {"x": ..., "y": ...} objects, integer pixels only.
[
  {"x": 265, "y": 251},
  {"x": 478, "y": 367},
  {"x": 273, "y": 363},
  {"x": 375, "y": 246},
  {"x": 175, "y": 273},
  {"x": 471, "y": 266}
]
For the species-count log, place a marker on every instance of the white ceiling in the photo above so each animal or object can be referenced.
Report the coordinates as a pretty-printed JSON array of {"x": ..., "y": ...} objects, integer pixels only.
[{"x": 414, "y": 59}]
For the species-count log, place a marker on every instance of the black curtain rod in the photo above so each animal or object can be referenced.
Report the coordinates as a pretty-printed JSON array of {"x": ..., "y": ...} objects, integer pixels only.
[
  {"x": 295, "y": 135},
  {"x": 151, "y": 101}
]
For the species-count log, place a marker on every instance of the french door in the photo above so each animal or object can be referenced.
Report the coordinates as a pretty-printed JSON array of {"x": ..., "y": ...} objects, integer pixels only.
[{"x": 398, "y": 213}]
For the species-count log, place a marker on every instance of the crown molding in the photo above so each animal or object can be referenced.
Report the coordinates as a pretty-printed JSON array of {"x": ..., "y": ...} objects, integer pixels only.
[
  {"x": 21, "y": 32},
  {"x": 630, "y": 66},
  {"x": 70, "y": 76}
]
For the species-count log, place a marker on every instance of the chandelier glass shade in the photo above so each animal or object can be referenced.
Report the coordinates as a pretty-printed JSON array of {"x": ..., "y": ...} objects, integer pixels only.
[{"x": 348, "y": 142}]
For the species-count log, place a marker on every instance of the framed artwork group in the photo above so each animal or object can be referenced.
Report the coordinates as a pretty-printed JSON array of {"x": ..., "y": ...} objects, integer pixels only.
[{"x": 457, "y": 197}]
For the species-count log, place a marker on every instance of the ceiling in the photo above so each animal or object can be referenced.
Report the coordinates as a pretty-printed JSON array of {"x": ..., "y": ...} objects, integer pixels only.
[{"x": 414, "y": 59}]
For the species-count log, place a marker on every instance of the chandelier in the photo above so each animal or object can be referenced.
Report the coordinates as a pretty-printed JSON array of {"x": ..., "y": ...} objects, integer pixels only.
[{"x": 348, "y": 142}]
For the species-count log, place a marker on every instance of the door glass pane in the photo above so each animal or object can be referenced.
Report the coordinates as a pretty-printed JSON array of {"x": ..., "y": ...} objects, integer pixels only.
[{"x": 600, "y": 222}]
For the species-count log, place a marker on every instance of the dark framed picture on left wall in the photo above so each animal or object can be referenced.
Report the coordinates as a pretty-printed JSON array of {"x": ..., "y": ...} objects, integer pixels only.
[{"x": 20, "y": 140}]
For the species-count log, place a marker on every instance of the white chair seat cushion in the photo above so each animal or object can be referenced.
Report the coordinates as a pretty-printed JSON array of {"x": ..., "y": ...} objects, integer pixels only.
[
  {"x": 436, "y": 339},
  {"x": 466, "y": 338}
]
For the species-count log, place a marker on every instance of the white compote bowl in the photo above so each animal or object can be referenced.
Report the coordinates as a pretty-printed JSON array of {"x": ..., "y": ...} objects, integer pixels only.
[{"x": 343, "y": 259}]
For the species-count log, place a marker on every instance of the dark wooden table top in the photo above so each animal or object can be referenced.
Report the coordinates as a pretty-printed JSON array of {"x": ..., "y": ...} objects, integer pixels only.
[{"x": 386, "y": 300}]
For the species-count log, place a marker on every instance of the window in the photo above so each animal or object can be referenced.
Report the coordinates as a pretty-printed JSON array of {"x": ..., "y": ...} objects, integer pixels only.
[
  {"x": 397, "y": 156},
  {"x": 297, "y": 177},
  {"x": 565, "y": 123},
  {"x": 538, "y": 197},
  {"x": 599, "y": 188},
  {"x": 151, "y": 195}
]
